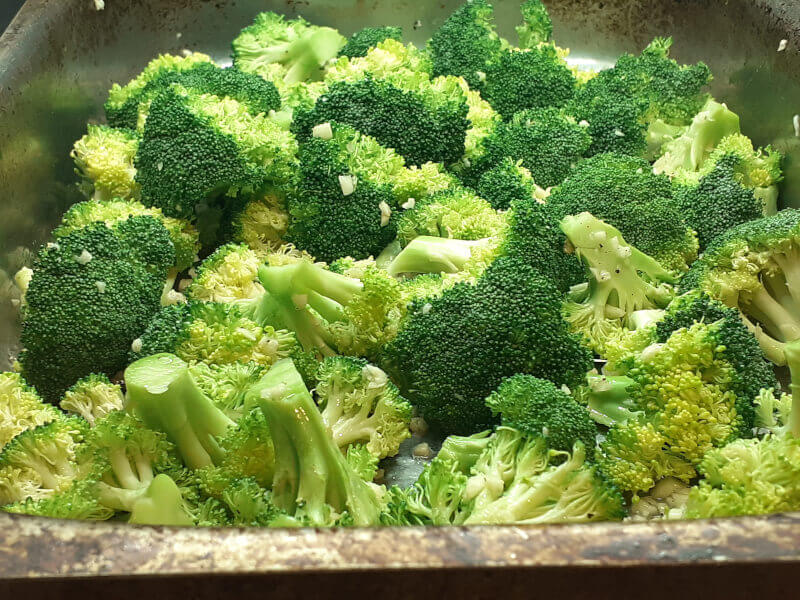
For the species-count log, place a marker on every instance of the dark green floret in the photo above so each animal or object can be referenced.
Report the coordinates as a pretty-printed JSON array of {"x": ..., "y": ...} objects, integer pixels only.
[
  {"x": 507, "y": 183},
  {"x": 369, "y": 37},
  {"x": 536, "y": 27}
]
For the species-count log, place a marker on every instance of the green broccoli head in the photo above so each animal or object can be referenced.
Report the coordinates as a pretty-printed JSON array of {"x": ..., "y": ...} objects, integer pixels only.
[
  {"x": 21, "y": 408},
  {"x": 364, "y": 39},
  {"x": 259, "y": 222},
  {"x": 229, "y": 274},
  {"x": 536, "y": 27},
  {"x": 625, "y": 193},
  {"x": 525, "y": 79},
  {"x": 93, "y": 397},
  {"x": 360, "y": 405},
  {"x": 507, "y": 183},
  {"x": 537, "y": 407},
  {"x": 752, "y": 267},
  {"x": 104, "y": 161},
  {"x": 455, "y": 349},
  {"x": 92, "y": 293}
]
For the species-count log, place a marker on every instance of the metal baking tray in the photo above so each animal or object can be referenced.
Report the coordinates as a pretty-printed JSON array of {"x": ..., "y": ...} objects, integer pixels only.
[{"x": 58, "y": 59}]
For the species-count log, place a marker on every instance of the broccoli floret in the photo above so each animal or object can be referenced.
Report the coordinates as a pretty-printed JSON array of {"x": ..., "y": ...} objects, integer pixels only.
[
  {"x": 350, "y": 189},
  {"x": 213, "y": 333},
  {"x": 360, "y": 405},
  {"x": 196, "y": 147},
  {"x": 524, "y": 79},
  {"x": 42, "y": 461},
  {"x": 507, "y": 183},
  {"x": 467, "y": 43},
  {"x": 622, "y": 280},
  {"x": 92, "y": 293},
  {"x": 685, "y": 155},
  {"x": 183, "y": 234},
  {"x": 123, "y": 101},
  {"x": 93, "y": 397},
  {"x": 515, "y": 481},
  {"x": 625, "y": 193},
  {"x": 313, "y": 481},
  {"x": 227, "y": 384},
  {"x": 369, "y": 37},
  {"x": 259, "y": 222},
  {"x": 76, "y": 502},
  {"x": 752, "y": 267},
  {"x": 104, "y": 160},
  {"x": 163, "y": 393},
  {"x": 546, "y": 141},
  {"x": 536, "y": 27},
  {"x": 612, "y": 120},
  {"x": 362, "y": 461},
  {"x": 21, "y": 408},
  {"x": 299, "y": 48},
  {"x": 229, "y": 274},
  {"x": 454, "y": 349},
  {"x": 537, "y": 407}
]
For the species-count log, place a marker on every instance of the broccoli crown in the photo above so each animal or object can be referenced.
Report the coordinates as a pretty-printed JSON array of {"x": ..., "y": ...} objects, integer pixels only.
[
  {"x": 41, "y": 461},
  {"x": 254, "y": 92},
  {"x": 123, "y": 102},
  {"x": 536, "y": 27},
  {"x": 507, "y": 183},
  {"x": 453, "y": 350},
  {"x": 313, "y": 481},
  {"x": 753, "y": 267},
  {"x": 78, "y": 501},
  {"x": 363, "y": 40},
  {"x": 612, "y": 120},
  {"x": 625, "y": 193},
  {"x": 163, "y": 393},
  {"x": 195, "y": 146},
  {"x": 622, "y": 280},
  {"x": 183, "y": 234},
  {"x": 537, "y": 407},
  {"x": 546, "y": 141},
  {"x": 524, "y": 79},
  {"x": 259, "y": 222},
  {"x": 21, "y": 408},
  {"x": 360, "y": 405},
  {"x": 296, "y": 49},
  {"x": 748, "y": 477},
  {"x": 422, "y": 126},
  {"x": 104, "y": 161},
  {"x": 213, "y": 333},
  {"x": 466, "y": 43},
  {"x": 456, "y": 213},
  {"x": 718, "y": 202},
  {"x": 89, "y": 298},
  {"x": 93, "y": 397},
  {"x": 517, "y": 480},
  {"x": 227, "y": 384},
  {"x": 228, "y": 274}
]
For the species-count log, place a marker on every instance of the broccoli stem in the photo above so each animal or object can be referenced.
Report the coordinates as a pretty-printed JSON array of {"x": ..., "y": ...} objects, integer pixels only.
[
  {"x": 608, "y": 399},
  {"x": 776, "y": 319},
  {"x": 161, "y": 390},
  {"x": 122, "y": 469},
  {"x": 792, "y": 352},
  {"x": 427, "y": 254},
  {"x": 790, "y": 265},
  {"x": 118, "y": 498},
  {"x": 161, "y": 504}
]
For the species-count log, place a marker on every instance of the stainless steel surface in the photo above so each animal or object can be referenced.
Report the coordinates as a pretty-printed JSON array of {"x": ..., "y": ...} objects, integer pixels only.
[{"x": 58, "y": 59}]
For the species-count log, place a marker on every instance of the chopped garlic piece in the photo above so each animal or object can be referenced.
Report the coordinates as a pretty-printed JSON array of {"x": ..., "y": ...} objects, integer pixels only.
[
  {"x": 84, "y": 258},
  {"x": 386, "y": 213},
  {"x": 322, "y": 131},
  {"x": 348, "y": 184}
]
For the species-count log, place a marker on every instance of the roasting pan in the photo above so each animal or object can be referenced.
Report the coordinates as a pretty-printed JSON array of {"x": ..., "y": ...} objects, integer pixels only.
[{"x": 57, "y": 60}]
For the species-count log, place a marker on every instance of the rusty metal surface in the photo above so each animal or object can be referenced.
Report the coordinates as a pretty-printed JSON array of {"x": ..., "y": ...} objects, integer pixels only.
[
  {"x": 57, "y": 60},
  {"x": 45, "y": 548}
]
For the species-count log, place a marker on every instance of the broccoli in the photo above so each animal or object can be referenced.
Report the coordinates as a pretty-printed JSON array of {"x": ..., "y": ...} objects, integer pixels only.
[
  {"x": 363, "y": 40},
  {"x": 537, "y": 407},
  {"x": 213, "y": 333},
  {"x": 104, "y": 160},
  {"x": 751, "y": 267},
  {"x": 536, "y": 27},
  {"x": 622, "y": 280},
  {"x": 93, "y": 397},
  {"x": 92, "y": 293},
  {"x": 359, "y": 405},
  {"x": 259, "y": 222},
  {"x": 21, "y": 408},
  {"x": 718, "y": 201},
  {"x": 298, "y": 48},
  {"x": 229, "y": 274},
  {"x": 362, "y": 461},
  {"x": 624, "y": 192},
  {"x": 546, "y": 141},
  {"x": 183, "y": 234},
  {"x": 313, "y": 481},
  {"x": 40, "y": 462},
  {"x": 467, "y": 43},
  {"x": 685, "y": 154},
  {"x": 350, "y": 188},
  {"x": 163, "y": 393},
  {"x": 454, "y": 349},
  {"x": 524, "y": 79},
  {"x": 227, "y": 384},
  {"x": 507, "y": 183},
  {"x": 196, "y": 147}
]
